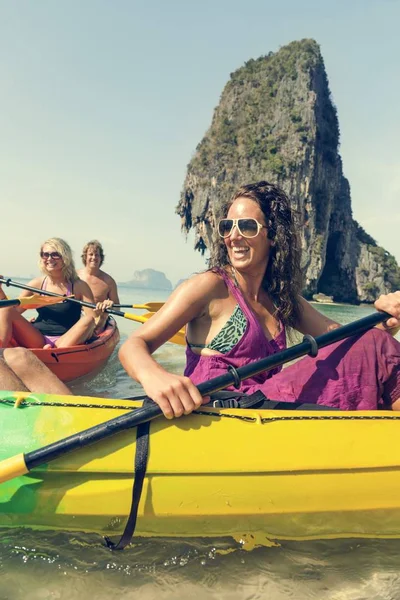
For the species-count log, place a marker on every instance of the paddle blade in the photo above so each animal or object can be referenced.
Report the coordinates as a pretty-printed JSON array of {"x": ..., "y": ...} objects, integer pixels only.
[
  {"x": 34, "y": 301},
  {"x": 178, "y": 338},
  {"x": 150, "y": 306},
  {"x": 37, "y": 301}
]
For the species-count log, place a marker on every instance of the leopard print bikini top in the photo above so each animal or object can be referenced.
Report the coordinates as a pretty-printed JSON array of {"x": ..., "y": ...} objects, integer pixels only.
[{"x": 230, "y": 334}]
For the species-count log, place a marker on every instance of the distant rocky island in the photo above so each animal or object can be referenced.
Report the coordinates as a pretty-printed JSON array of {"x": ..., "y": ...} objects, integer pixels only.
[
  {"x": 148, "y": 279},
  {"x": 276, "y": 121}
]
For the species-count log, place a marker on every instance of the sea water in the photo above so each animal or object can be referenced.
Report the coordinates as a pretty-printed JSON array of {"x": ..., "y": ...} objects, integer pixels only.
[{"x": 49, "y": 565}]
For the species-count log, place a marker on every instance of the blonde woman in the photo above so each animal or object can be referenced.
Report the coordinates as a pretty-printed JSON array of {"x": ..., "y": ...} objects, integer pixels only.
[{"x": 58, "y": 325}]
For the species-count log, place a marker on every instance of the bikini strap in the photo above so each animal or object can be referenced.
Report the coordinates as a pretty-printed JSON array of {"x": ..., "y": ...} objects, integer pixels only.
[
  {"x": 236, "y": 292},
  {"x": 70, "y": 286}
]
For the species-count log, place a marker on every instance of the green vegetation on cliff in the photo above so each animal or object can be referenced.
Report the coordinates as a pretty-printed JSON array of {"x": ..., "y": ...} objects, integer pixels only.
[{"x": 245, "y": 126}]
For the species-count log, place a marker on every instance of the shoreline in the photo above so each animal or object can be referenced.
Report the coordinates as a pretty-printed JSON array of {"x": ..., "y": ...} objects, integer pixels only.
[
  {"x": 361, "y": 305},
  {"x": 333, "y": 303}
]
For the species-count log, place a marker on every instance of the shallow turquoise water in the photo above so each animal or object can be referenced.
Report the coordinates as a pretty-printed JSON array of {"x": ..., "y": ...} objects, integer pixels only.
[{"x": 46, "y": 565}]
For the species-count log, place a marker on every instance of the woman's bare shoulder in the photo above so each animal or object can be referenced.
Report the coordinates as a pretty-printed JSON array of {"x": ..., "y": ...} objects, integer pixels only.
[
  {"x": 37, "y": 281},
  {"x": 202, "y": 284}
]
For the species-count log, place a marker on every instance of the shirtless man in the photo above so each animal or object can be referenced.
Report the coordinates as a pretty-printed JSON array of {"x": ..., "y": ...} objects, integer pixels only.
[
  {"x": 21, "y": 370},
  {"x": 103, "y": 286}
]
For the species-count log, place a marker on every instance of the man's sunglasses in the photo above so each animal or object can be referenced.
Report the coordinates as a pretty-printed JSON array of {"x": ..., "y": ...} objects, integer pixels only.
[
  {"x": 53, "y": 255},
  {"x": 247, "y": 228}
]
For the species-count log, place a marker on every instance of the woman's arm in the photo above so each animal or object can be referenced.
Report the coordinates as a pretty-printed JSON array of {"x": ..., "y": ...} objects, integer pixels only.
[
  {"x": 175, "y": 394},
  {"x": 311, "y": 321},
  {"x": 83, "y": 292},
  {"x": 314, "y": 323}
]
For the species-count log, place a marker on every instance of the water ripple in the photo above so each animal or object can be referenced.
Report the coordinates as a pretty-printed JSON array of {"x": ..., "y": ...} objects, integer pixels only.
[{"x": 46, "y": 565}]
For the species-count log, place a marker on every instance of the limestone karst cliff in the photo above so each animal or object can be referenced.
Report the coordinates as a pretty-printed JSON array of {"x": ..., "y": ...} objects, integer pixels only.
[{"x": 276, "y": 121}]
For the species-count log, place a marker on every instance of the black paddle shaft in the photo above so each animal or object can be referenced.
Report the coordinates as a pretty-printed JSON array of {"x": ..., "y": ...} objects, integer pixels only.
[
  {"x": 9, "y": 282},
  {"x": 134, "y": 418}
]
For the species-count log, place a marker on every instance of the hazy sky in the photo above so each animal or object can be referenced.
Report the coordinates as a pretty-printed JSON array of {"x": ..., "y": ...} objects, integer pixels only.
[{"x": 104, "y": 102}]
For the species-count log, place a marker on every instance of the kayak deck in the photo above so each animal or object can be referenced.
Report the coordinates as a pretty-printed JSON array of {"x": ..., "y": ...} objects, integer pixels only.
[{"x": 256, "y": 475}]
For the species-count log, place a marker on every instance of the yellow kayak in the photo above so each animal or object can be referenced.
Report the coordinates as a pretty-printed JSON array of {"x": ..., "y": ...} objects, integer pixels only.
[{"x": 259, "y": 476}]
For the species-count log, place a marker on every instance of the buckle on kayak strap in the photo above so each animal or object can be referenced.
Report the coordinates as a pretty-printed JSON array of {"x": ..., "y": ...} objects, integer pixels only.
[{"x": 230, "y": 403}]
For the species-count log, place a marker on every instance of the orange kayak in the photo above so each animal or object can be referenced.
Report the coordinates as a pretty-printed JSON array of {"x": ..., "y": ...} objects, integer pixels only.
[{"x": 76, "y": 361}]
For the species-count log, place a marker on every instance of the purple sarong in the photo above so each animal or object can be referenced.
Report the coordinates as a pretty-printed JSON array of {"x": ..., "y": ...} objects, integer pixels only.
[{"x": 358, "y": 373}]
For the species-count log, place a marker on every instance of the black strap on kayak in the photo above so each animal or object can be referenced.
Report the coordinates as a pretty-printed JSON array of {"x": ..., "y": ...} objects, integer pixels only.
[
  {"x": 223, "y": 399},
  {"x": 236, "y": 400},
  {"x": 141, "y": 456},
  {"x": 231, "y": 399},
  {"x": 228, "y": 399}
]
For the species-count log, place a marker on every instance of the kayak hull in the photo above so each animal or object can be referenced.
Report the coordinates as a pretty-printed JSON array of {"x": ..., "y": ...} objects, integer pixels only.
[
  {"x": 77, "y": 361},
  {"x": 259, "y": 476}
]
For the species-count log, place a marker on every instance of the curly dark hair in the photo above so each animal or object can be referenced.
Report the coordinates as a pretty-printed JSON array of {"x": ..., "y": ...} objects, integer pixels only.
[{"x": 283, "y": 279}]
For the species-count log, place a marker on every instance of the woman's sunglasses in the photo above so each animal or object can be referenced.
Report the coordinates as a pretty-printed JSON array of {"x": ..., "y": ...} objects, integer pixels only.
[
  {"x": 53, "y": 255},
  {"x": 247, "y": 228}
]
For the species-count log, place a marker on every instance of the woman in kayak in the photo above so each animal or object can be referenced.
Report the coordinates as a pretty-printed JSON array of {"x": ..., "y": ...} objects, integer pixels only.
[
  {"x": 239, "y": 311},
  {"x": 59, "y": 325}
]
